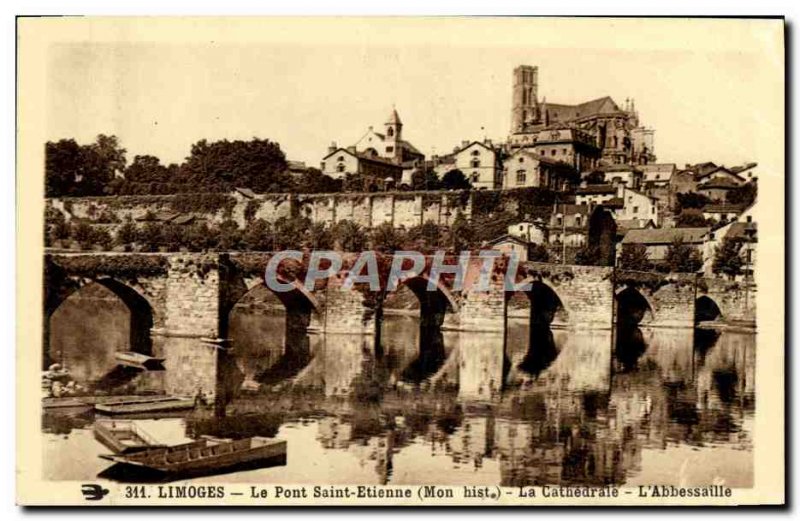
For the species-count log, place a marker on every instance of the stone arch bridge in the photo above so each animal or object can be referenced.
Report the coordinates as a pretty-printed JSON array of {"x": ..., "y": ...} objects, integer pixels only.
[{"x": 180, "y": 302}]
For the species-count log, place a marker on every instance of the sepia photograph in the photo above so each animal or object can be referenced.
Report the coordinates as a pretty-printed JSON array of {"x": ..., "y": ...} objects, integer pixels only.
[{"x": 401, "y": 261}]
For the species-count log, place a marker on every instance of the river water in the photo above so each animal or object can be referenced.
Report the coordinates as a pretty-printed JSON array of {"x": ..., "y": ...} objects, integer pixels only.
[{"x": 549, "y": 406}]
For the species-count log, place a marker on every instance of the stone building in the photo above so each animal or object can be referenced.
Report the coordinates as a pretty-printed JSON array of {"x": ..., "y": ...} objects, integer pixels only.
[
  {"x": 340, "y": 162},
  {"x": 390, "y": 145},
  {"x": 593, "y": 195},
  {"x": 616, "y": 130},
  {"x": 562, "y": 143},
  {"x": 525, "y": 168},
  {"x": 480, "y": 162}
]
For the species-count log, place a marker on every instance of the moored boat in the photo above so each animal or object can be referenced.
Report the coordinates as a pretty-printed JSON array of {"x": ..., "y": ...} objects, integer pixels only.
[
  {"x": 124, "y": 436},
  {"x": 139, "y": 361},
  {"x": 205, "y": 456},
  {"x": 144, "y": 405}
]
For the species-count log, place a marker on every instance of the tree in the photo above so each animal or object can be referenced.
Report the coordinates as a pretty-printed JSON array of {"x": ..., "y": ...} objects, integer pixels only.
[
  {"x": 386, "y": 238},
  {"x": 82, "y": 232},
  {"x": 691, "y": 218},
  {"x": 230, "y": 235},
  {"x": 349, "y": 236},
  {"x": 462, "y": 233},
  {"x": 149, "y": 236},
  {"x": 589, "y": 256},
  {"x": 745, "y": 195},
  {"x": 313, "y": 181},
  {"x": 595, "y": 178},
  {"x": 728, "y": 258},
  {"x": 258, "y": 164},
  {"x": 634, "y": 257},
  {"x": 72, "y": 169},
  {"x": 425, "y": 180},
  {"x": 690, "y": 200},
  {"x": 126, "y": 233},
  {"x": 320, "y": 237},
  {"x": 290, "y": 232},
  {"x": 538, "y": 253},
  {"x": 427, "y": 234},
  {"x": 257, "y": 235},
  {"x": 682, "y": 258},
  {"x": 455, "y": 180},
  {"x": 63, "y": 165}
]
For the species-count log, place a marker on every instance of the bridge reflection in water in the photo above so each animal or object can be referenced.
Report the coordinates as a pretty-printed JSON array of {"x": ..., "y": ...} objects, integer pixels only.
[{"x": 535, "y": 404}]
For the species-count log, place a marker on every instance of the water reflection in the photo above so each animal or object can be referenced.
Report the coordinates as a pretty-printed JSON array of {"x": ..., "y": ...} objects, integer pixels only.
[{"x": 535, "y": 405}]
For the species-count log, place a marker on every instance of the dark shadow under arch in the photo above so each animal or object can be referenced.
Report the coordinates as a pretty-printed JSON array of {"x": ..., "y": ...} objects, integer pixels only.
[
  {"x": 706, "y": 309},
  {"x": 545, "y": 306},
  {"x": 632, "y": 308}
]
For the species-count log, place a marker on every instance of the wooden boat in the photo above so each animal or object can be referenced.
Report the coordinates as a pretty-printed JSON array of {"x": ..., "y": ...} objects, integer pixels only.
[
  {"x": 124, "y": 436},
  {"x": 65, "y": 403},
  {"x": 144, "y": 404},
  {"x": 139, "y": 361},
  {"x": 204, "y": 456}
]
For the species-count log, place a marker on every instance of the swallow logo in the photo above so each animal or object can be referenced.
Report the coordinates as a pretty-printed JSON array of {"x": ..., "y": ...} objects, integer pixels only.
[{"x": 92, "y": 492}]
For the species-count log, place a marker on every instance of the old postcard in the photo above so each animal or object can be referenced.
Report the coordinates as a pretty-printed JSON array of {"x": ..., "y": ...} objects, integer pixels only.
[{"x": 400, "y": 261}]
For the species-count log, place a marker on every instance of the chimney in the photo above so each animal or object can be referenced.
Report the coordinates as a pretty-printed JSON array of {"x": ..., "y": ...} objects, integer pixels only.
[
  {"x": 332, "y": 148},
  {"x": 351, "y": 149},
  {"x": 464, "y": 144}
]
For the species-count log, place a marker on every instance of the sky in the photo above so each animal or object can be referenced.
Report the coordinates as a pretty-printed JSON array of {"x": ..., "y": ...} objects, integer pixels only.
[{"x": 709, "y": 88}]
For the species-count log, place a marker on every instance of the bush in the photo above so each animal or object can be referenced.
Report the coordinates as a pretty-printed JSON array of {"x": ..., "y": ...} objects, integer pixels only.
[
  {"x": 257, "y": 235},
  {"x": 538, "y": 253},
  {"x": 349, "y": 236},
  {"x": 589, "y": 256},
  {"x": 251, "y": 209},
  {"x": 126, "y": 234},
  {"x": 385, "y": 238}
]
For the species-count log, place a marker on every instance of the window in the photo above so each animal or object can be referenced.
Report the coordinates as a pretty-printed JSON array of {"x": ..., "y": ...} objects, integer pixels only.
[
  {"x": 341, "y": 158},
  {"x": 577, "y": 220},
  {"x": 635, "y": 209},
  {"x": 475, "y": 177},
  {"x": 749, "y": 218},
  {"x": 553, "y": 152},
  {"x": 476, "y": 152},
  {"x": 521, "y": 159},
  {"x": 322, "y": 166},
  {"x": 389, "y": 150},
  {"x": 476, "y": 163},
  {"x": 564, "y": 151},
  {"x": 558, "y": 221},
  {"x": 390, "y": 132},
  {"x": 340, "y": 168},
  {"x": 521, "y": 177},
  {"x": 521, "y": 227}
]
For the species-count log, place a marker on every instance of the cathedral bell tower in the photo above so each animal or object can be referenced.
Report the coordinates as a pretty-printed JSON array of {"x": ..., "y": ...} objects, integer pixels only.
[
  {"x": 524, "y": 102},
  {"x": 394, "y": 133}
]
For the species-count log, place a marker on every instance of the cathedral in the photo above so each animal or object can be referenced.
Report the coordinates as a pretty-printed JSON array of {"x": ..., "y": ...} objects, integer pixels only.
[{"x": 601, "y": 132}]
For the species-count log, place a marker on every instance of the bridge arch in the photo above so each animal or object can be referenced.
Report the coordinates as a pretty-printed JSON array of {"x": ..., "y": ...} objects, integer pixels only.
[
  {"x": 706, "y": 309},
  {"x": 633, "y": 307},
  {"x": 545, "y": 302},
  {"x": 71, "y": 349}
]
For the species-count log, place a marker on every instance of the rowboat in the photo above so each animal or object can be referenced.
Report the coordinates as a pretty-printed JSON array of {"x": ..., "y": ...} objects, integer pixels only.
[
  {"x": 144, "y": 404},
  {"x": 204, "y": 456},
  {"x": 124, "y": 436},
  {"x": 139, "y": 361}
]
